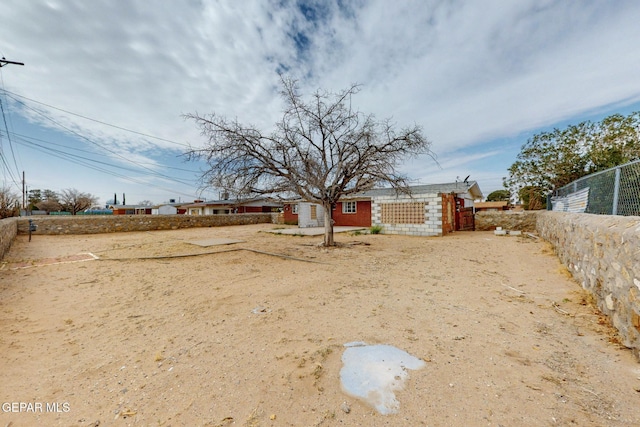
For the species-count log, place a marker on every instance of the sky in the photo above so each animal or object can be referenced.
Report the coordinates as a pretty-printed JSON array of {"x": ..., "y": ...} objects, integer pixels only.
[{"x": 99, "y": 104}]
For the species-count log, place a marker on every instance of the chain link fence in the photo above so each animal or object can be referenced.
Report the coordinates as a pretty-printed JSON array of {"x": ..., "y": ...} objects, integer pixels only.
[{"x": 614, "y": 191}]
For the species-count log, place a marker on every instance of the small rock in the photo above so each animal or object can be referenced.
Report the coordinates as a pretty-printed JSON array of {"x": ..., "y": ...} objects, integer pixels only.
[{"x": 345, "y": 407}]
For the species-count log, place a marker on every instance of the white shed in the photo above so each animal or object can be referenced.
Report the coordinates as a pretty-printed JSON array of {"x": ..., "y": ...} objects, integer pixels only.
[
  {"x": 164, "y": 210},
  {"x": 310, "y": 215}
]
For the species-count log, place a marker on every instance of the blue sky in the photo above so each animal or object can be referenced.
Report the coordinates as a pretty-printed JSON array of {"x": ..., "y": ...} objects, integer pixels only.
[{"x": 98, "y": 105}]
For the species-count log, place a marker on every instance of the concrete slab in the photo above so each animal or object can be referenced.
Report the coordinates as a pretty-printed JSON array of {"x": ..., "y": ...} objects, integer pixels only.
[
  {"x": 214, "y": 242},
  {"x": 313, "y": 231}
]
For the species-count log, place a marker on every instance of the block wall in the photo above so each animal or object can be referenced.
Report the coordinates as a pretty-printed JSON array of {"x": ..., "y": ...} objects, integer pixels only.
[{"x": 431, "y": 226}]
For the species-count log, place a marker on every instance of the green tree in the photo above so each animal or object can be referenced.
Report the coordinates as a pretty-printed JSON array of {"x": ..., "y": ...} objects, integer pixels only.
[
  {"x": 499, "y": 196},
  {"x": 618, "y": 142},
  {"x": 34, "y": 197},
  {"x": 321, "y": 150},
  {"x": 550, "y": 160}
]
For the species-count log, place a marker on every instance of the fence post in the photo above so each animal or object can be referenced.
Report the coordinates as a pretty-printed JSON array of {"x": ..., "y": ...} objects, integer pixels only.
[{"x": 616, "y": 189}]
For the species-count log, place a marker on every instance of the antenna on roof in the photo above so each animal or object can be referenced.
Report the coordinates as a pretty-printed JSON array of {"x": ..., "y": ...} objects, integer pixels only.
[{"x": 466, "y": 180}]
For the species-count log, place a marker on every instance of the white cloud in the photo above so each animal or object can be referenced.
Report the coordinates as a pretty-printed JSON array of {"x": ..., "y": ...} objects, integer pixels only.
[{"x": 468, "y": 71}]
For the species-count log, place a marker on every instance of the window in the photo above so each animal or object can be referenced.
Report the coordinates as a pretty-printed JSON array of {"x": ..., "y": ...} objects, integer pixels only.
[
  {"x": 294, "y": 209},
  {"x": 349, "y": 207},
  {"x": 314, "y": 212}
]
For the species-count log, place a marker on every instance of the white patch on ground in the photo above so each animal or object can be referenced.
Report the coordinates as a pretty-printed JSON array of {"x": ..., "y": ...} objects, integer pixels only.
[
  {"x": 214, "y": 242},
  {"x": 374, "y": 372}
]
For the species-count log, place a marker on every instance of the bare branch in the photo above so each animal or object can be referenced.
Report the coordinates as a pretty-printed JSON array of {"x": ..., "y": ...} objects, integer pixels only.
[{"x": 320, "y": 150}]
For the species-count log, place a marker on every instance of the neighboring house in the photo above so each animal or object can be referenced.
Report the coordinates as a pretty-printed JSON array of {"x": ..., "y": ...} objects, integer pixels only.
[
  {"x": 130, "y": 209},
  {"x": 430, "y": 210},
  {"x": 349, "y": 212},
  {"x": 221, "y": 207},
  {"x": 492, "y": 206},
  {"x": 167, "y": 209}
]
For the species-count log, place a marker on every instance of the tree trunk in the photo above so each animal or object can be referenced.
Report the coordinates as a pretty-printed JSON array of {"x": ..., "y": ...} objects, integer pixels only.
[{"x": 328, "y": 225}]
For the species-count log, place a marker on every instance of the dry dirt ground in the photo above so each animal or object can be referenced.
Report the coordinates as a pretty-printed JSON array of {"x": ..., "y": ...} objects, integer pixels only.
[{"x": 160, "y": 332}]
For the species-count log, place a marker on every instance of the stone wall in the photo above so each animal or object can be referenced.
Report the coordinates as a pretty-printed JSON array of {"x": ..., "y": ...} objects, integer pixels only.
[
  {"x": 119, "y": 223},
  {"x": 603, "y": 254},
  {"x": 508, "y": 220},
  {"x": 8, "y": 231}
]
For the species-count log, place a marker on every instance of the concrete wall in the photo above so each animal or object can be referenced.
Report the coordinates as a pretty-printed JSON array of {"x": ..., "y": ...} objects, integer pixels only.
[
  {"x": 603, "y": 254},
  {"x": 432, "y": 225},
  {"x": 110, "y": 224},
  {"x": 8, "y": 231},
  {"x": 508, "y": 220}
]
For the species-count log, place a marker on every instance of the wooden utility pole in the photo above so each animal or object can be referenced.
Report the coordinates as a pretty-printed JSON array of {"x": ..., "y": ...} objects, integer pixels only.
[
  {"x": 24, "y": 193},
  {"x": 4, "y": 62}
]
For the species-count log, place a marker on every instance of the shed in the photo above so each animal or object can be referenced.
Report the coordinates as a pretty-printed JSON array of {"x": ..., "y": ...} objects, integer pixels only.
[{"x": 168, "y": 209}]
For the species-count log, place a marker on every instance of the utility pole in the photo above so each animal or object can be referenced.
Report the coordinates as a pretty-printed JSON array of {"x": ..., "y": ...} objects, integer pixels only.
[{"x": 4, "y": 62}]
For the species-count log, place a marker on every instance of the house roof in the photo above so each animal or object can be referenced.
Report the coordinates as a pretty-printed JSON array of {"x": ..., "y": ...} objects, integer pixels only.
[
  {"x": 118, "y": 207},
  {"x": 232, "y": 202},
  {"x": 470, "y": 187},
  {"x": 499, "y": 204}
]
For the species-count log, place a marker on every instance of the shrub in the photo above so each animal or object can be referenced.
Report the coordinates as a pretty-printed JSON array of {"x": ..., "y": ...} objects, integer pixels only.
[{"x": 375, "y": 229}]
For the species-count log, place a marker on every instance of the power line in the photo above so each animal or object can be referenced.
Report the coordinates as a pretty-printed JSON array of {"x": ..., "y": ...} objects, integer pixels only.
[
  {"x": 27, "y": 140},
  {"x": 83, "y": 161},
  {"x": 13, "y": 154},
  {"x": 13, "y": 95},
  {"x": 31, "y": 138},
  {"x": 93, "y": 142}
]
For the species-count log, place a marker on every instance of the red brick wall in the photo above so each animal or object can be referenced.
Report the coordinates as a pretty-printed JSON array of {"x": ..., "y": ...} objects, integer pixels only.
[
  {"x": 448, "y": 213},
  {"x": 361, "y": 218},
  {"x": 289, "y": 218},
  {"x": 250, "y": 209}
]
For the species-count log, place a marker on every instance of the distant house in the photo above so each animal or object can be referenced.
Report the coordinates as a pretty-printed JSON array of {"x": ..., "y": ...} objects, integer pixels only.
[
  {"x": 430, "y": 210},
  {"x": 167, "y": 209},
  {"x": 130, "y": 209},
  {"x": 492, "y": 206},
  {"x": 221, "y": 207},
  {"x": 171, "y": 208}
]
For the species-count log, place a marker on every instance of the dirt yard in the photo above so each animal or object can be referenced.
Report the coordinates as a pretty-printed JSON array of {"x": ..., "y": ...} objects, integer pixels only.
[{"x": 160, "y": 332}]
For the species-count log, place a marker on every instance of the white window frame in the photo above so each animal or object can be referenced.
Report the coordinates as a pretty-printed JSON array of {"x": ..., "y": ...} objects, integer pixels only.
[
  {"x": 294, "y": 209},
  {"x": 347, "y": 207}
]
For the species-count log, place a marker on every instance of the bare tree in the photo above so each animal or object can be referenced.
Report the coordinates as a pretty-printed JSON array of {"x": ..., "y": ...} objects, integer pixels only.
[
  {"x": 75, "y": 201},
  {"x": 8, "y": 203},
  {"x": 48, "y": 200},
  {"x": 49, "y": 205},
  {"x": 321, "y": 150}
]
